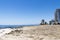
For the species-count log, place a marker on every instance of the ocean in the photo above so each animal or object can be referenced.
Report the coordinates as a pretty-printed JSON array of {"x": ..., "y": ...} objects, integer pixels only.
[{"x": 15, "y": 26}]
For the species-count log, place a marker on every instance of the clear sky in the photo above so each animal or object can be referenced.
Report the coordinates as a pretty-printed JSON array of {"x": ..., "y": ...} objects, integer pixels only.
[{"x": 24, "y": 12}]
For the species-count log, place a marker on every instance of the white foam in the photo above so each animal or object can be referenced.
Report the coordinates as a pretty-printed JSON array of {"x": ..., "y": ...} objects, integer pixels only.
[{"x": 4, "y": 31}]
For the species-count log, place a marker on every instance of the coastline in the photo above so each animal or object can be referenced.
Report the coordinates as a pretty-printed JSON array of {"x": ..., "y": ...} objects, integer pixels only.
[{"x": 42, "y": 32}]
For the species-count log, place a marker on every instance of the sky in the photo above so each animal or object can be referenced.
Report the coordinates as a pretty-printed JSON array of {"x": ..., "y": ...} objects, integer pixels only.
[{"x": 25, "y": 12}]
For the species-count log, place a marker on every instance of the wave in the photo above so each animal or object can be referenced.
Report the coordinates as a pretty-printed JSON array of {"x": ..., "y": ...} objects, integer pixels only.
[{"x": 4, "y": 31}]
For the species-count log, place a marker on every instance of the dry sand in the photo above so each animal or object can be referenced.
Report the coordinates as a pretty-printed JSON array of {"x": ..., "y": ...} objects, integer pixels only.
[{"x": 43, "y": 32}]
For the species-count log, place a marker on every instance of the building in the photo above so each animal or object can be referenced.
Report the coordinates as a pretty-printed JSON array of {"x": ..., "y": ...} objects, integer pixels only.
[
  {"x": 57, "y": 16},
  {"x": 52, "y": 22}
]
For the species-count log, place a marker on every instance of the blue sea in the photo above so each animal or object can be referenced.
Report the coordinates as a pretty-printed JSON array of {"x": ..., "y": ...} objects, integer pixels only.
[{"x": 16, "y": 26}]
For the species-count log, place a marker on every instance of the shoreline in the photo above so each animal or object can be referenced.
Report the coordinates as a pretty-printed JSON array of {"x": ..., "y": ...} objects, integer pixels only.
[{"x": 42, "y": 32}]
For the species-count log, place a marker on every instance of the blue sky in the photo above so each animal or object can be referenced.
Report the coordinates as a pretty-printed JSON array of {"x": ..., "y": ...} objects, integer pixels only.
[{"x": 24, "y": 12}]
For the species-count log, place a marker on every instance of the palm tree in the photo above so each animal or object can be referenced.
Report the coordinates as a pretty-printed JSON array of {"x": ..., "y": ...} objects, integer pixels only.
[{"x": 42, "y": 22}]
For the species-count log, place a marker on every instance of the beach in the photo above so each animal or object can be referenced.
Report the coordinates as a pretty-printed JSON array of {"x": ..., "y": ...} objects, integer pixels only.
[{"x": 42, "y": 32}]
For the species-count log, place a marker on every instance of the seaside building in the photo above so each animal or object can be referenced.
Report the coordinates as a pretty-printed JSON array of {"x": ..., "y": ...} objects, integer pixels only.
[
  {"x": 57, "y": 16},
  {"x": 55, "y": 21}
]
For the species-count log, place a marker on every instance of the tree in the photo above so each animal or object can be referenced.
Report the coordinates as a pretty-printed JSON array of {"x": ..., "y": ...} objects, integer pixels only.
[
  {"x": 46, "y": 23},
  {"x": 42, "y": 22}
]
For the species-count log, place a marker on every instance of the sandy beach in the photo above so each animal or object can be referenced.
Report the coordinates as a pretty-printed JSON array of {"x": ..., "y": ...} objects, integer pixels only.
[{"x": 43, "y": 32}]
